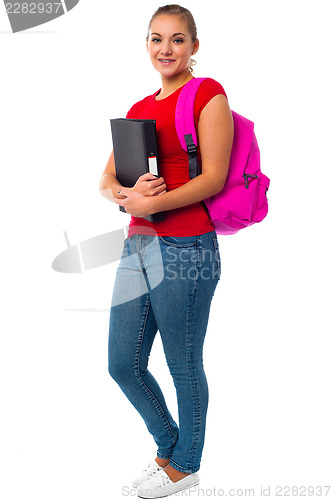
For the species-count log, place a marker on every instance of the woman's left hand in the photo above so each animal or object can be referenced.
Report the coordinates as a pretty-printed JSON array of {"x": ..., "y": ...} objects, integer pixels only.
[{"x": 136, "y": 204}]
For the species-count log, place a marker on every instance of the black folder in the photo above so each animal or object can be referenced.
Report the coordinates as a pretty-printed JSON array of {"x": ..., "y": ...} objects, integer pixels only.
[{"x": 135, "y": 153}]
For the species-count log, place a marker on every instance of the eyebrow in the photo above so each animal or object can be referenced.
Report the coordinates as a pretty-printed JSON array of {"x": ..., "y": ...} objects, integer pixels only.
[{"x": 174, "y": 34}]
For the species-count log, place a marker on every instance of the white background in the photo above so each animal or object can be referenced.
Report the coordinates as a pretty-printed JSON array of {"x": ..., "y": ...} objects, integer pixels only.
[{"x": 67, "y": 431}]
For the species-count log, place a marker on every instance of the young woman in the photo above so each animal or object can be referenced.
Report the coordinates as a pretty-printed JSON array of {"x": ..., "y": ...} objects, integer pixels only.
[{"x": 169, "y": 270}]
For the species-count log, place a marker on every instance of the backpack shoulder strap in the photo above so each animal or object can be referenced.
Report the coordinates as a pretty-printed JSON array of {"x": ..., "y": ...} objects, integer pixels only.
[{"x": 185, "y": 124}]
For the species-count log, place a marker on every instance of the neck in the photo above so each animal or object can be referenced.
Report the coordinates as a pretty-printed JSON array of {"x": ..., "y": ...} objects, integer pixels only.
[{"x": 170, "y": 85}]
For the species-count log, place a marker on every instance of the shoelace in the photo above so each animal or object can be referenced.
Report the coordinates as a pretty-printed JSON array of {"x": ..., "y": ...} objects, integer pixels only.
[
  {"x": 151, "y": 466},
  {"x": 161, "y": 478}
]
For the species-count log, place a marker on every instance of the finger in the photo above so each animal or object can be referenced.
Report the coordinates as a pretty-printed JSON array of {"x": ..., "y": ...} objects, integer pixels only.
[
  {"x": 158, "y": 180},
  {"x": 157, "y": 183},
  {"x": 121, "y": 201},
  {"x": 146, "y": 177},
  {"x": 159, "y": 190}
]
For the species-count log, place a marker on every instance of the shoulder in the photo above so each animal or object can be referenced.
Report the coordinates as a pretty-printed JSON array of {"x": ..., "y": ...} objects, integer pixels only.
[
  {"x": 208, "y": 89},
  {"x": 209, "y": 85},
  {"x": 139, "y": 105}
]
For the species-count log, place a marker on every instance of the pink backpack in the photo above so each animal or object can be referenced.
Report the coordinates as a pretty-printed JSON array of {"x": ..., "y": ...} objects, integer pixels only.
[{"x": 242, "y": 201}]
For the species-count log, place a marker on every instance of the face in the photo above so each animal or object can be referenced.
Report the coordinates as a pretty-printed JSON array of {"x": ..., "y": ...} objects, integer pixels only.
[{"x": 170, "y": 45}]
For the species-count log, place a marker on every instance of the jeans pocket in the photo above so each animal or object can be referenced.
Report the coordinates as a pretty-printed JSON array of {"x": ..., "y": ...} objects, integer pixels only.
[
  {"x": 217, "y": 254},
  {"x": 179, "y": 241}
]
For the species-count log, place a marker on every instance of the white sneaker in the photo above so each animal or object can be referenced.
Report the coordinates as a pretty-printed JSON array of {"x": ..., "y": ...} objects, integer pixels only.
[
  {"x": 160, "y": 485},
  {"x": 146, "y": 473}
]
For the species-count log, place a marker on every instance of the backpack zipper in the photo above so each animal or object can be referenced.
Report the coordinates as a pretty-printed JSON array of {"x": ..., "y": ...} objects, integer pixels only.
[{"x": 246, "y": 176}]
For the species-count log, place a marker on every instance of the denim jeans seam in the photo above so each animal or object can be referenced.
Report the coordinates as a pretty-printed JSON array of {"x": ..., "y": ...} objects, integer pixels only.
[
  {"x": 217, "y": 254},
  {"x": 183, "y": 469},
  {"x": 163, "y": 455},
  {"x": 148, "y": 391},
  {"x": 141, "y": 251},
  {"x": 196, "y": 405}
]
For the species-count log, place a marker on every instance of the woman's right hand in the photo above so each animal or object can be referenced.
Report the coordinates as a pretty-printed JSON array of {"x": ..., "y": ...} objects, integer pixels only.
[
  {"x": 146, "y": 184},
  {"x": 149, "y": 185}
]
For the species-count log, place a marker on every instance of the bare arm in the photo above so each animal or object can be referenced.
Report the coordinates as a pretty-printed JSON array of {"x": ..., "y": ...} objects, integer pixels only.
[
  {"x": 215, "y": 131},
  {"x": 109, "y": 185}
]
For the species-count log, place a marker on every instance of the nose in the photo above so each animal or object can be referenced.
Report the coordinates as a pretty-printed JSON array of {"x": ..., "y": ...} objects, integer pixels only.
[{"x": 166, "y": 49}]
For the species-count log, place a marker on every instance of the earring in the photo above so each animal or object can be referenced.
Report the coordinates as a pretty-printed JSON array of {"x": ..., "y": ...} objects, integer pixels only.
[{"x": 192, "y": 63}]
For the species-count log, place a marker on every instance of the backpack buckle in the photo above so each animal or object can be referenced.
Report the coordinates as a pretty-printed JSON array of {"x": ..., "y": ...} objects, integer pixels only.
[
  {"x": 192, "y": 150},
  {"x": 191, "y": 146}
]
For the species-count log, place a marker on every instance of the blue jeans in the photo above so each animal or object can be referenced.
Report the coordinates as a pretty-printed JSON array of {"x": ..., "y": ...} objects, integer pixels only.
[{"x": 165, "y": 283}]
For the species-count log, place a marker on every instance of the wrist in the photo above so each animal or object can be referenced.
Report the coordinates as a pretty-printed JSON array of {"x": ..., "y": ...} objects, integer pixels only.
[{"x": 151, "y": 204}]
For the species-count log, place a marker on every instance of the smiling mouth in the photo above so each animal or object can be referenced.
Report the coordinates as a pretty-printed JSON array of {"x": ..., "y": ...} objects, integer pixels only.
[{"x": 166, "y": 61}]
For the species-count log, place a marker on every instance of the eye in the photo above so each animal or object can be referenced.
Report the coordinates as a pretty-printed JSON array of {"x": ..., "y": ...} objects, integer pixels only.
[
  {"x": 155, "y": 40},
  {"x": 178, "y": 40}
]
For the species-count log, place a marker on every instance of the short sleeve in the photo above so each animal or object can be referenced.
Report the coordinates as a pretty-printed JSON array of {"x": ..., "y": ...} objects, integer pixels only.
[
  {"x": 137, "y": 108},
  {"x": 131, "y": 112},
  {"x": 208, "y": 89}
]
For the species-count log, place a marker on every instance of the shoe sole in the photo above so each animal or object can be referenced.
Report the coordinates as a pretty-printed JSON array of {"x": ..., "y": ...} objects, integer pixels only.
[{"x": 177, "y": 491}]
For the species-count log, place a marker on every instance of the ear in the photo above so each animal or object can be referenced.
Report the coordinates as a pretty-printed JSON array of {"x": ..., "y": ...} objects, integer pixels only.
[
  {"x": 147, "y": 45},
  {"x": 196, "y": 46}
]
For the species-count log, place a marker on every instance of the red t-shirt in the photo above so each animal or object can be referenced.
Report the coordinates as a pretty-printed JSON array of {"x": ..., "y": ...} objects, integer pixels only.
[{"x": 173, "y": 162}]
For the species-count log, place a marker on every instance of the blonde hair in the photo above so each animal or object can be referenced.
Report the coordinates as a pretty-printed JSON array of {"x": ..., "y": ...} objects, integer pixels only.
[{"x": 177, "y": 10}]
